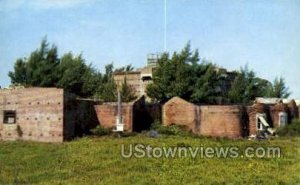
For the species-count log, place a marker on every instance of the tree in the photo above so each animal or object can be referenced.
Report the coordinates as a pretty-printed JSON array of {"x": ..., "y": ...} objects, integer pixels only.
[
  {"x": 39, "y": 69},
  {"x": 127, "y": 68},
  {"x": 174, "y": 76},
  {"x": 182, "y": 75},
  {"x": 278, "y": 89},
  {"x": 43, "y": 68},
  {"x": 207, "y": 83},
  {"x": 107, "y": 90},
  {"x": 19, "y": 75},
  {"x": 71, "y": 71},
  {"x": 127, "y": 92},
  {"x": 246, "y": 87}
]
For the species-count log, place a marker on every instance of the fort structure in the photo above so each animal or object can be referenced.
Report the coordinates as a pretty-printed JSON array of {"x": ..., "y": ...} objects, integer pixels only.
[
  {"x": 53, "y": 115},
  {"x": 43, "y": 114},
  {"x": 140, "y": 78},
  {"x": 231, "y": 121}
]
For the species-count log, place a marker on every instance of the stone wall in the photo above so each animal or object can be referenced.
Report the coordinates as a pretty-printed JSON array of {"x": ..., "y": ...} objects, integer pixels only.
[{"x": 39, "y": 114}]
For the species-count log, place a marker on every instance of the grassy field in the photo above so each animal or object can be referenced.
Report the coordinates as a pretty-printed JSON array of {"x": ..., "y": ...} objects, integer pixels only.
[{"x": 99, "y": 161}]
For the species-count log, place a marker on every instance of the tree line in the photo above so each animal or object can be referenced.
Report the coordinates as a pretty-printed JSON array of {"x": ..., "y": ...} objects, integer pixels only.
[
  {"x": 43, "y": 68},
  {"x": 185, "y": 75},
  {"x": 181, "y": 74}
]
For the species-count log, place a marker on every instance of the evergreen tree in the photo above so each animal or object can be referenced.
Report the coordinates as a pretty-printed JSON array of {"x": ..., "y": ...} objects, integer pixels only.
[
  {"x": 127, "y": 92},
  {"x": 279, "y": 89}
]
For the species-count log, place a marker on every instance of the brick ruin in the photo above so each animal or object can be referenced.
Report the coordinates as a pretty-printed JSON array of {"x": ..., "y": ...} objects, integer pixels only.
[
  {"x": 43, "y": 114},
  {"x": 53, "y": 115},
  {"x": 232, "y": 121},
  {"x": 137, "y": 115}
]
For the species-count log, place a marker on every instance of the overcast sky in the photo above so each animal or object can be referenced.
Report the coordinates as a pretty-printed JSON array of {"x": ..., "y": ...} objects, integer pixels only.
[{"x": 231, "y": 33}]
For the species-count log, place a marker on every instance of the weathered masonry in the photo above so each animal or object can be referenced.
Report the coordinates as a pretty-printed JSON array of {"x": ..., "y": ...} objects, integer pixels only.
[
  {"x": 53, "y": 115},
  {"x": 137, "y": 115},
  {"x": 41, "y": 114},
  {"x": 232, "y": 121}
]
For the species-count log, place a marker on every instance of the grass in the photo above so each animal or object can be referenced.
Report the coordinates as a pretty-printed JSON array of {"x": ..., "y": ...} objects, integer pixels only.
[
  {"x": 99, "y": 161},
  {"x": 292, "y": 129}
]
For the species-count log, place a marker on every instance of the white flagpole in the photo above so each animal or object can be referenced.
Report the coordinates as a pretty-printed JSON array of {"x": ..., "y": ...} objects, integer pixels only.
[{"x": 165, "y": 29}]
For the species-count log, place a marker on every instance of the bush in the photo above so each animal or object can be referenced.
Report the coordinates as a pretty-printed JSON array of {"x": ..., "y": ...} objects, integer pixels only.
[
  {"x": 292, "y": 129},
  {"x": 101, "y": 131},
  {"x": 169, "y": 130}
]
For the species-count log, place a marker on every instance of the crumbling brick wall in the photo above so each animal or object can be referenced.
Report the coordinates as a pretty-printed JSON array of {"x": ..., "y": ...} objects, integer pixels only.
[
  {"x": 107, "y": 115},
  {"x": 39, "y": 114},
  {"x": 293, "y": 110},
  {"x": 180, "y": 112},
  {"x": 221, "y": 121},
  {"x": 253, "y": 110},
  {"x": 274, "y": 112},
  {"x": 137, "y": 115}
]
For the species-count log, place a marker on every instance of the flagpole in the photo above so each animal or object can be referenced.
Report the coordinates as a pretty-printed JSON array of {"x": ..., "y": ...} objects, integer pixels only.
[{"x": 165, "y": 26}]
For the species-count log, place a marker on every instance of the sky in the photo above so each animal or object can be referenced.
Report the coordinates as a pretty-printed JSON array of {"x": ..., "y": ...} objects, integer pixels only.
[{"x": 264, "y": 34}]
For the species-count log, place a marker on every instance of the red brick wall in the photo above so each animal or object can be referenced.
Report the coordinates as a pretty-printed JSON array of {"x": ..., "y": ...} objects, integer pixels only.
[
  {"x": 39, "y": 114},
  {"x": 274, "y": 113},
  {"x": 252, "y": 112},
  {"x": 180, "y": 112},
  {"x": 221, "y": 121},
  {"x": 293, "y": 110},
  {"x": 107, "y": 114}
]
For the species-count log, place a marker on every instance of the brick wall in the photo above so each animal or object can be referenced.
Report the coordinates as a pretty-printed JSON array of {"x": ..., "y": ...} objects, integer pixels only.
[
  {"x": 293, "y": 110},
  {"x": 137, "y": 115},
  {"x": 253, "y": 110},
  {"x": 180, "y": 112},
  {"x": 274, "y": 114},
  {"x": 39, "y": 114},
  {"x": 107, "y": 115},
  {"x": 221, "y": 121}
]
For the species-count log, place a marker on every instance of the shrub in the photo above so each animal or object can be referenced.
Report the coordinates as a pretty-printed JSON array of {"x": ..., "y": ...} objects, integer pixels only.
[
  {"x": 169, "y": 130},
  {"x": 292, "y": 129},
  {"x": 101, "y": 131}
]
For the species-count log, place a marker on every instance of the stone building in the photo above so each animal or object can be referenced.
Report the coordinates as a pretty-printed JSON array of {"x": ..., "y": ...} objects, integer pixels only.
[{"x": 140, "y": 78}]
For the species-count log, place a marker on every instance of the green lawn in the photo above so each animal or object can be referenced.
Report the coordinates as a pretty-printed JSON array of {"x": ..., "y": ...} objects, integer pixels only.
[{"x": 99, "y": 161}]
